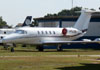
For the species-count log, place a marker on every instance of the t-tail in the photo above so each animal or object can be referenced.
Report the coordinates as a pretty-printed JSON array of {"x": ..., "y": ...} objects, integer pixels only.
[
  {"x": 27, "y": 21},
  {"x": 84, "y": 20}
]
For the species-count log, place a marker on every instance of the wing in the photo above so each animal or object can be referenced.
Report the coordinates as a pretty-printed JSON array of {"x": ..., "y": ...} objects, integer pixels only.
[{"x": 69, "y": 42}]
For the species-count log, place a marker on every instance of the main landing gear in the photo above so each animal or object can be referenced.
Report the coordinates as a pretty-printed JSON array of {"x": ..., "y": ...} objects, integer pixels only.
[
  {"x": 40, "y": 48},
  {"x": 59, "y": 48}
]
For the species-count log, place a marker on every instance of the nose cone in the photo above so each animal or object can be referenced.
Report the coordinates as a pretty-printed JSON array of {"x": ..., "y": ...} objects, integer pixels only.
[
  {"x": 9, "y": 39},
  {"x": 6, "y": 40}
]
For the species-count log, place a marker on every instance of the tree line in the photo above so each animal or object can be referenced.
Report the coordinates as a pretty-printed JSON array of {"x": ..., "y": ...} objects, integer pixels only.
[
  {"x": 66, "y": 12},
  {"x": 3, "y": 24}
]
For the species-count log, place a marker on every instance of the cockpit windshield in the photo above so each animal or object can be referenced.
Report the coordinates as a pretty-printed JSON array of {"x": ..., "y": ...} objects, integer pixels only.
[{"x": 20, "y": 32}]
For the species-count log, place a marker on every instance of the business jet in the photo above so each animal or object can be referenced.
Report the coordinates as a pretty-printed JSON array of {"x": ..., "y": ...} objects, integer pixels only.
[
  {"x": 52, "y": 36},
  {"x": 6, "y": 31}
]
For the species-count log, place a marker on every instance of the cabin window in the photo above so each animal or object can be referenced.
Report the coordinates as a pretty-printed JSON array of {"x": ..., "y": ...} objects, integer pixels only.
[
  {"x": 54, "y": 32},
  {"x": 42, "y": 32},
  {"x": 50, "y": 32},
  {"x": 20, "y": 32},
  {"x": 46, "y": 32},
  {"x": 4, "y": 32},
  {"x": 38, "y": 32}
]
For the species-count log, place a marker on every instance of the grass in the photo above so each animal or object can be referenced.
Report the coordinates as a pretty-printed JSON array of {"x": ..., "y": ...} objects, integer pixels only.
[{"x": 30, "y": 59}]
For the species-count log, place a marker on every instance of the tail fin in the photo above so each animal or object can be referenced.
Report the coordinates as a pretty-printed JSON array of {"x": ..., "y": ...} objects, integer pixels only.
[
  {"x": 27, "y": 21},
  {"x": 84, "y": 19}
]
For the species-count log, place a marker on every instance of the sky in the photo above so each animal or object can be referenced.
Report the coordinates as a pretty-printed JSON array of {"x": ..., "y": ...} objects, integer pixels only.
[{"x": 15, "y": 11}]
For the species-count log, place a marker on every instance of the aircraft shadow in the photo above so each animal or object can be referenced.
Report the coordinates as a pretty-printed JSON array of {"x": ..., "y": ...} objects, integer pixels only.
[
  {"x": 25, "y": 51},
  {"x": 36, "y": 51},
  {"x": 84, "y": 67},
  {"x": 51, "y": 51},
  {"x": 46, "y": 51}
]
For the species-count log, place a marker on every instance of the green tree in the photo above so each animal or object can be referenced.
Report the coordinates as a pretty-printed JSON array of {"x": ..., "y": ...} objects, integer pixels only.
[
  {"x": 73, "y": 11},
  {"x": 2, "y": 23},
  {"x": 66, "y": 12},
  {"x": 51, "y": 15}
]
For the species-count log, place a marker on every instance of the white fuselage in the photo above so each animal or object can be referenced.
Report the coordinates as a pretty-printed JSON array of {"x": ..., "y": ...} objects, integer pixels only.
[
  {"x": 5, "y": 32},
  {"x": 40, "y": 35},
  {"x": 36, "y": 36}
]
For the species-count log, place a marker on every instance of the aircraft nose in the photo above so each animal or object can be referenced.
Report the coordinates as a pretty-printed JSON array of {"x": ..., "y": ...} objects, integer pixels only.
[
  {"x": 6, "y": 40},
  {"x": 9, "y": 39}
]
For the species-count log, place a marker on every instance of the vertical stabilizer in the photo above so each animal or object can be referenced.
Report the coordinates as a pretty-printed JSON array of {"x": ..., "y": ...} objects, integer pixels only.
[
  {"x": 27, "y": 21},
  {"x": 84, "y": 20}
]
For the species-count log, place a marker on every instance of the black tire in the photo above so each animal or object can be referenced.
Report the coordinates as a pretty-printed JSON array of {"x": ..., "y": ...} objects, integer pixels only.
[
  {"x": 59, "y": 48},
  {"x": 12, "y": 49},
  {"x": 24, "y": 45},
  {"x": 40, "y": 48}
]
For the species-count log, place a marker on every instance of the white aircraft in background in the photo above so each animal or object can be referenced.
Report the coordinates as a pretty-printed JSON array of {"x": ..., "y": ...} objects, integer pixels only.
[
  {"x": 6, "y": 31},
  {"x": 51, "y": 36}
]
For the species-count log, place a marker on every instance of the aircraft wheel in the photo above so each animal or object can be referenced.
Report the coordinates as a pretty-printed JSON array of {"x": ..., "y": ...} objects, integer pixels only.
[
  {"x": 23, "y": 45},
  {"x": 40, "y": 48},
  {"x": 59, "y": 48},
  {"x": 12, "y": 49}
]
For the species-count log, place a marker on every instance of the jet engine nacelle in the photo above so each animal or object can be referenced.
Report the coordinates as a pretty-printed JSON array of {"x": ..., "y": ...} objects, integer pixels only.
[
  {"x": 70, "y": 31},
  {"x": 64, "y": 31}
]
